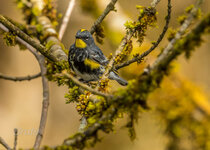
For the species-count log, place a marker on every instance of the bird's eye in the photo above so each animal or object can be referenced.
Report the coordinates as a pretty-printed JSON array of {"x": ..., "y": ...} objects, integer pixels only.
[{"x": 86, "y": 38}]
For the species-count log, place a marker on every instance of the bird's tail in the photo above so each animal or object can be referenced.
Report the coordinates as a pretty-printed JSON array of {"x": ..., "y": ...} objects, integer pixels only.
[{"x": 114, "y": 76}]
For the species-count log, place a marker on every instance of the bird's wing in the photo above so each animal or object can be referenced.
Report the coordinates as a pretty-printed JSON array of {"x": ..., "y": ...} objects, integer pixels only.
[{"x": 101, "y": 59}]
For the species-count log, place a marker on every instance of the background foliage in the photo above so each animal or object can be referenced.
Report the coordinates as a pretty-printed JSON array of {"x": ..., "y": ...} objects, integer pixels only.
[{"x": 179, "y": 111}]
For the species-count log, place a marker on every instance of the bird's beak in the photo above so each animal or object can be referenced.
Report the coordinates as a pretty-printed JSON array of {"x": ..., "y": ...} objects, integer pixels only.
[{"x": 80, "y": 43}]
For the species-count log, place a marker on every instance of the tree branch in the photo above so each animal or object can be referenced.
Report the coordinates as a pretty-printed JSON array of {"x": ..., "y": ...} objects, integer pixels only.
[
  {"x": 16, "y": 137},
  {"x": 161, "y": 36},
  {"x": 54, "y": 54},
  {"x": 109, "y": 8},
  {"x": 55, "y": 50},
  {"x": 78, "y": 140},
  {"x": 25, "y": 37},
  {"x": 154, "y": 3},
  {"x": 45, "y": 102},
  {"x": 41, "y": 61},
  {"x": 84, "y": 86},
  {"x": 45, "y": 86},
  {"x": 118, "y": 51},
  {"x": 2, "y": 142},
  {"x": 29, "y": 77},
  {"x": 66, "y": 19},
  {"x": 179, "y": 34},
  {"x": 120, "y": 48}
]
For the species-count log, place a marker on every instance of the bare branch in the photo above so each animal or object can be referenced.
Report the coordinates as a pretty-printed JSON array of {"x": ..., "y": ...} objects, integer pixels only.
[
  {"x": 41, "y": 61},
  {"x": 24, "y": 78},
  {"x": 45, "y": 102},
  {"x": 161, "y": 36},
  {"x": 109, "y": 8},
  {"x": 16, "y": 137},
  {"x": 179, "y": 34},
  {"x": 66, "y": 19},
  {"x": 53, "y": 54},
  {"x": 2, "y": 142},
  {"x": 154, "y": 3}
]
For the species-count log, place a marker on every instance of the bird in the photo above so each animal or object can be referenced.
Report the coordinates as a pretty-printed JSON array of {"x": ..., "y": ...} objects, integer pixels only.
[{"x": 88, "y": 61}]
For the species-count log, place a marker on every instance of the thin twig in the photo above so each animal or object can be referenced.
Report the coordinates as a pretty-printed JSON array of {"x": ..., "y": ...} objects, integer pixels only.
[
  {"x": 16, "y": 137},
  {"x": 117, "y": 52},
  {"x": 41, "y": 61},
  {"x": 84, "y": 86},
  {"x": 179, "y": 34},
  {"x": 66, "y": 19},
  {"x": 2, "y": 142},
  {"x": 109, "y": 8},
  {"x": 24, "y": 78},
  {"x": 122, "y": 46},
  {"x": 55, "y": 55},
  {"x": 45, "y": 102},
  {"x": 161, "y": 36}
]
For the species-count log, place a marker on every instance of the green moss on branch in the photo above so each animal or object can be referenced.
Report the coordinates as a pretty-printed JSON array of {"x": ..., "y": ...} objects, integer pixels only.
[{"x": 135, "y": 95}]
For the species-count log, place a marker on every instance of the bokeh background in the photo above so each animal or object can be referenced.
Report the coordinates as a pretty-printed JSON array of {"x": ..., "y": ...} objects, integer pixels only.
[{"x": 20, "y": 102}]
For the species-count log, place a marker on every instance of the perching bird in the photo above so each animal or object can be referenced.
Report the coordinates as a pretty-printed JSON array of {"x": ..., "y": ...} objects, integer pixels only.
[{"x": 87, "y": 60}]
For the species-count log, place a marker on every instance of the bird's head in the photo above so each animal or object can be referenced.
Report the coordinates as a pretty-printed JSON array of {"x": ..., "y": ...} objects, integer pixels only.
[{"x": 83, "y": 39}]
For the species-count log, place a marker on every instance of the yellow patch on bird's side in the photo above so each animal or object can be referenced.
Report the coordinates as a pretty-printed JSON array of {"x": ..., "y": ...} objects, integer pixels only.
[
  {"x": 80, "y": 43},
  {"x": 82, "y": 30},
  {"x": 91, "y": 63}
]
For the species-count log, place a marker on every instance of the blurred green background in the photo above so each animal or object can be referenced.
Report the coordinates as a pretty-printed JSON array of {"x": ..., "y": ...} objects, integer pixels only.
[{"x": 20, "y": 102}]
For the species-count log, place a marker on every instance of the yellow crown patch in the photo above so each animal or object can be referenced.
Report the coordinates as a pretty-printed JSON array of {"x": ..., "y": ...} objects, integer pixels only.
[{"x": 82, "y": 30}]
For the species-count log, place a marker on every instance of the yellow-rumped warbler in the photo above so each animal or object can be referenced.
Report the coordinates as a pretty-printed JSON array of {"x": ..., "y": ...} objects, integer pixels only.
[{"x": 87, "y": 60}]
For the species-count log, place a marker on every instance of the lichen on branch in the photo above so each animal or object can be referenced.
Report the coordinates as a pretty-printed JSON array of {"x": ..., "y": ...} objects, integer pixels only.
[{"x": 137, "y": 92}]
